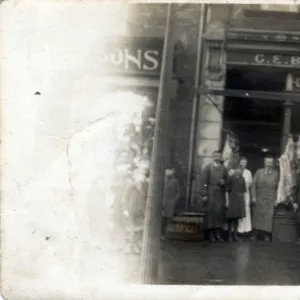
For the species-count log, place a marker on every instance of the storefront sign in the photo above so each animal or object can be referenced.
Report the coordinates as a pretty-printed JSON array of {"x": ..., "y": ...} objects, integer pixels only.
[
  {"x": 263, "y": 59},
  {"x": 132, "y": 55}
]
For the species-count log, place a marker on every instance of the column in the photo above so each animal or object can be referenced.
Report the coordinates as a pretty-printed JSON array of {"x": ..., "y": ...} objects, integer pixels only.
[
  {"x": 210, "y": 117},
  {"x": 286, "y": 129}
]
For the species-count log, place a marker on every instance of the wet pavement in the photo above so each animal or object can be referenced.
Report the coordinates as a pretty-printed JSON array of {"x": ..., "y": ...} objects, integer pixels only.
[{"x": 241, "y": 263}]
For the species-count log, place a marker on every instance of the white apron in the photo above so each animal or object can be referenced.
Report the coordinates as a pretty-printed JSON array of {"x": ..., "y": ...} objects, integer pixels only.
[{"x": 245, "y": 223}]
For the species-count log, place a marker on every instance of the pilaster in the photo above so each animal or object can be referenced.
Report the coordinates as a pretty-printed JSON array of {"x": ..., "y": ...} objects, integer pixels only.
[{"x": 210, "y": 117}]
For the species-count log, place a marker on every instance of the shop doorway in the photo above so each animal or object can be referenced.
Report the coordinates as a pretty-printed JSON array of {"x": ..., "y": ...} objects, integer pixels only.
[{"x": 256, "y": 123}]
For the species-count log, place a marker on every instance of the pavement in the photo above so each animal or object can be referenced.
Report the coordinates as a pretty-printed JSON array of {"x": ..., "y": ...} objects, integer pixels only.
[{"x": 240, "y": 263}]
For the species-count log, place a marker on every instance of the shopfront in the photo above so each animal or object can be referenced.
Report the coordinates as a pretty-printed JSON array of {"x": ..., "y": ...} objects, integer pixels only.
[
  {"x": 261, "y": 125},
  {"x": 268, "y": 62},
  {"x": 250, "y": 87},
  {"x": 132, "y": 69}
]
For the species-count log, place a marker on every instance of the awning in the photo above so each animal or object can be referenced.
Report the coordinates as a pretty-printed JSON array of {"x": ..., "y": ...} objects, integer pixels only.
[{"x": 277, "y": 96}]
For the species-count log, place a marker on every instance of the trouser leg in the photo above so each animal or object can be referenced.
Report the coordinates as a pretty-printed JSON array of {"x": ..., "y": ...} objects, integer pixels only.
[
  {"x": 163, "y": 226},
  {"x": 212, "y": 237},
  {"x": 267, "y": 236},
  {"x": 254, "y": 235},
  {"x": 235, "y": 229},
  {"x": 298, "y": 234},
  {"x": 218, "y": 235},
  {"x": 230, "y": 234}
]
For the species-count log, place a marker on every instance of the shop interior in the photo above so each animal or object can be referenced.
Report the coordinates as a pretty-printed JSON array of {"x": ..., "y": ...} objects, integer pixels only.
[{"x": 257, "y": 123}]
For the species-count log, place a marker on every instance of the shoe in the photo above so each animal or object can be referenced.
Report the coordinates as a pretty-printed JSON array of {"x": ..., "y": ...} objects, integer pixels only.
[
  {"x": 219, "y": 238},
  {"x": 298, "y": 242},
  {"x": 212, "y": 237},
  {"x": 267, "y": 239},
  {"x": 253, "y": 238}
]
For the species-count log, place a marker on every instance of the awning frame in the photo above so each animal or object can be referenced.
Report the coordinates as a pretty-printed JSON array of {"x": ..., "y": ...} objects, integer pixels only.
[{"x": 293, "y": 97}]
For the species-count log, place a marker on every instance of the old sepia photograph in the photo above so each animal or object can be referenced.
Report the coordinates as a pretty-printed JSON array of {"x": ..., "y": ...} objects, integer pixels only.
[{"x": 149, "y": 148}]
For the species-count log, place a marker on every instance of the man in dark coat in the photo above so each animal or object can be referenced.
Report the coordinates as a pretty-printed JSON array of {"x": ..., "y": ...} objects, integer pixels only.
[
  {"x": 235, "y": 202},
  {"x": 214, "y": 181},
  {"x": 170, "y": 198}
]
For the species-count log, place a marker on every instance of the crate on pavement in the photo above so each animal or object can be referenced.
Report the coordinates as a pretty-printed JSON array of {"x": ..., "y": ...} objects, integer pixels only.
[
  {"x": 187, "y": 226},
  {"x": 284, "y": 227}
]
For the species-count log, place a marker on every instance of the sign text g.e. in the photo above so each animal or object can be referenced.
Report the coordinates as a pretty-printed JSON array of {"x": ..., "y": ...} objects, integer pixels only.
[{"x": 264, "y": 59}]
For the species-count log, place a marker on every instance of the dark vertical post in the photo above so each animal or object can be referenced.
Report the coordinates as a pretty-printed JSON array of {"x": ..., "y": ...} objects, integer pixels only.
[
  {"x": 193, "y": 130},
  {"x": 151, "y": 237},
  {"x": 286, "y": 129},
  {"x": 287, "y": 114}
]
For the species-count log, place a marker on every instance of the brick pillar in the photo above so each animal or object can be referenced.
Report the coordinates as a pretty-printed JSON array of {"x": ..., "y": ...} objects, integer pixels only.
[
  {"x": 209, "y": 127},
  {"x": 210, "y": 120}
]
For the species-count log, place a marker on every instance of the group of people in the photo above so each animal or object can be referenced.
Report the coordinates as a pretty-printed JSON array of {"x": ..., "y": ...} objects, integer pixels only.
[
  {"x": 129, "y": 210},
  {"x": 243, "y": 202},
  {"x": 233, "y": 198},
  {"x": 132, "y": 204}
]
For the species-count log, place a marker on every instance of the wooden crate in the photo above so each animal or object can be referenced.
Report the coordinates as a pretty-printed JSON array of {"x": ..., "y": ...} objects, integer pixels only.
[
  {"x": 284, "y": 227},
  {"x": 187, "y": 226}
]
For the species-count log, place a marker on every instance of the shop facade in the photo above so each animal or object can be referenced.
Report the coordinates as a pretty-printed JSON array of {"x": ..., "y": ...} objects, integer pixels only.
[
  {"x": 249, "y": 86},
  {"x": 250, "y": 63},
  {"x": 132, "y": 66},
  {"x": 248, "y": 57}
]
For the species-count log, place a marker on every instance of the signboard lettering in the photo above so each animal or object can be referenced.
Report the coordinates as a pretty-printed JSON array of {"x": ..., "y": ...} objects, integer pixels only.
[
  {"x": 263, "y": 59},
  {"x": 133, "y": 55},
  {"x": 126, "y": 59},
  {"x": 259, "y": 58},
  {"x": 293, "y": 82},
  {"x": 186, "y": 225},
  {"x": 297, "y": 82},
  {"x": 184, "y": 228},
  {"x": 152, "y": 57},
  {"x": 295, "y": 60}
]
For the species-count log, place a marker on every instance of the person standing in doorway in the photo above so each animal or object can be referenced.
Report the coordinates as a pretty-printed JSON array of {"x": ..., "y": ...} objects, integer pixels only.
[
  {"x": 170, "y": 197},
  {"x": 235, "y": 202},
  {"x": 244, "y": 225},
  {"x": 264, "y": 189},
  {"x": 296, "y": 203},
  {"x": 214, "y": 182}
]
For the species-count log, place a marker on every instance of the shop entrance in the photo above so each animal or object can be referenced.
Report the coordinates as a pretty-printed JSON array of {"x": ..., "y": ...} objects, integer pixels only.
[{"x": 256, "y": 123}]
